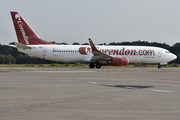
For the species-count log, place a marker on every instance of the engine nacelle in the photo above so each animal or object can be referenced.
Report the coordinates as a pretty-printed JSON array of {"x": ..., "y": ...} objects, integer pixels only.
[{"x": 120, "y": 61}]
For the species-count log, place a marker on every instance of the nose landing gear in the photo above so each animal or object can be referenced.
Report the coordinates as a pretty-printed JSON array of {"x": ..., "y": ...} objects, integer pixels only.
[{"x": 159, "y": 66}]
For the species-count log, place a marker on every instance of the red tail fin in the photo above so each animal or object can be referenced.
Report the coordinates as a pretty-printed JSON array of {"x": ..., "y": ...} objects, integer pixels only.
[{"x": 24, "y": 33}]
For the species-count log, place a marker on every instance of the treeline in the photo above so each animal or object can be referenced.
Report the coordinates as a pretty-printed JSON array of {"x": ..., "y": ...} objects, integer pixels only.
[{"x": 10, "y": 55}]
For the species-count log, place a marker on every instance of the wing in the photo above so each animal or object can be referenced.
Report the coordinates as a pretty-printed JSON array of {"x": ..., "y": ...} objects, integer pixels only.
[{"x": 98, "y": 55}]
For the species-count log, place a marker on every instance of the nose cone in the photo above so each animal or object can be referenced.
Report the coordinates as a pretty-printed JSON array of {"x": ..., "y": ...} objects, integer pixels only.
[{"x": 173, "y": 56}]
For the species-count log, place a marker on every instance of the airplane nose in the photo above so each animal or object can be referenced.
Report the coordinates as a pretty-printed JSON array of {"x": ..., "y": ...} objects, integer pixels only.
[{"x": 173, "y": 56}]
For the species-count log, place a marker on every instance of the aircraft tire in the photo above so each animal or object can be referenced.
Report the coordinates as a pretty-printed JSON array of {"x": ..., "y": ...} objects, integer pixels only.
[
  {"x": 159, "y": 66},
  {"x": 91, "y": 66},
  {"x": 98, "y": 65}
]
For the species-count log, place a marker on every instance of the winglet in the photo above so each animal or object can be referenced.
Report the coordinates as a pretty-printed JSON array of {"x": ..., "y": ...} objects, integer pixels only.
[{"x": 93, "y": 47}]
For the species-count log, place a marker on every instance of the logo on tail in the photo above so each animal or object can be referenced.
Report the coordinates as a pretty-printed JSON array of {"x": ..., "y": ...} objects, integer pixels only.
[
  {"x": 17, "y": 17},
  {"x": 20, "y": 24}
]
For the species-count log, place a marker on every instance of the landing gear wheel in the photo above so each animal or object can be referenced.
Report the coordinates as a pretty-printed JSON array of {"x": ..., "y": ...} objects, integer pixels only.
[
  {"x": 91, "y": 65},
  {"x": 98, "y": 65},
  {"x": 159, "y": 66}
]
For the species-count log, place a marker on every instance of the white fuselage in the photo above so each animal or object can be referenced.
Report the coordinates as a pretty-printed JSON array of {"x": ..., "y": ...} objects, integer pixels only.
[{"x": 83, "y": 53}]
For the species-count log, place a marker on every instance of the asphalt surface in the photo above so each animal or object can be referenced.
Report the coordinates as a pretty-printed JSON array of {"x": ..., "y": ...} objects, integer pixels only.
[{"x": 89, "y": 94}]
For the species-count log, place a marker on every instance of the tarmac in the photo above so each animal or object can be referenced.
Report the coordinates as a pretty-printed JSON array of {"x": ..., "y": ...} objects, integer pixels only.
[{"x": 112, "y": 93}]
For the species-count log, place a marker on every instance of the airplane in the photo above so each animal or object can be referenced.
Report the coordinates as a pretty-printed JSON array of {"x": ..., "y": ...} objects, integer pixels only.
[{"x": 97, "y": 56}]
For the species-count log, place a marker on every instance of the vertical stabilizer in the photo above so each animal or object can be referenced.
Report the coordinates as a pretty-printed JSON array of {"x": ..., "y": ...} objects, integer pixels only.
[{"x": 25, "y": 34}]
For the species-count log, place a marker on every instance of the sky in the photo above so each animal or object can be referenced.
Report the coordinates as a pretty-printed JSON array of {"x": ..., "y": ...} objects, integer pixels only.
[{"x": 103, "y": 21}]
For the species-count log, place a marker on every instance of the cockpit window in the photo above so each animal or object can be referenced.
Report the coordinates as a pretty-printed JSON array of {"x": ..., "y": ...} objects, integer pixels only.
[{"x": 167, "y": 52}]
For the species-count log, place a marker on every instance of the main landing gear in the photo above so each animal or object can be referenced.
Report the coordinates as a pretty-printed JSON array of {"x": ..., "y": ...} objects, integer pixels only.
[
  {"x": 91, "y": 65},
  {"x": 98, "y": 65}
]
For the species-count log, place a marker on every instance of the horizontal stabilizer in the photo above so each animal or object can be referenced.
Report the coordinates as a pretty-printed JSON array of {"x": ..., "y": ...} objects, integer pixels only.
[{"x": 22, "y": 46}]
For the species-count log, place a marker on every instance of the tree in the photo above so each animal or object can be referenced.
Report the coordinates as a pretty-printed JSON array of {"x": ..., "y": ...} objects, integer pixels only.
[
  {"x": 2, "y": 60},
  {"x": 76, "y": 43},
  {"x": 85, "y": 44},
  {"x": 63, "y": 43}
]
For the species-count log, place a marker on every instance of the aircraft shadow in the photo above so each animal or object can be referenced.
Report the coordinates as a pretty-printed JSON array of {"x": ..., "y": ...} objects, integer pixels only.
[{"x": 128, "y": 86}]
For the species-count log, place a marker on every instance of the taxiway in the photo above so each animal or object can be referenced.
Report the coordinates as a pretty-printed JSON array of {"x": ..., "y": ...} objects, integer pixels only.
[{"x": 89, "y": 94}]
